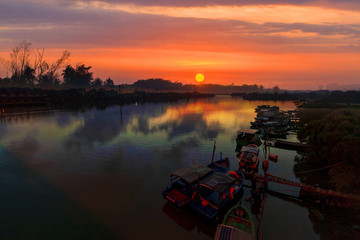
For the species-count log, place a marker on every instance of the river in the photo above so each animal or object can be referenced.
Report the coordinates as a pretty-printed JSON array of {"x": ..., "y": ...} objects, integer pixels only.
[{"x": 99, "y": 173}]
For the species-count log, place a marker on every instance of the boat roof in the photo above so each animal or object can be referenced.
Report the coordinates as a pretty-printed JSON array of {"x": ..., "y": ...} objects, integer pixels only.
[
  {"x": 218, "y": 182},
  {"x": 225, "y": 232},
  {"x": 251, "y": 149},
  {"x": 249, "y": 131},
  {"x": 191, "y": 173}
]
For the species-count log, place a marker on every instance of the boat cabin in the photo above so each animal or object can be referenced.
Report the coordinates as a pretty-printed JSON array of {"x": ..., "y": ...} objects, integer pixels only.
[
  {"x": 190, "y": 174},
  {"x": 249, "y": 158},
  {"x": 247, "y": 132},
  {"x": 183, "y": 184},
  {"x": 214, "y": 193}
]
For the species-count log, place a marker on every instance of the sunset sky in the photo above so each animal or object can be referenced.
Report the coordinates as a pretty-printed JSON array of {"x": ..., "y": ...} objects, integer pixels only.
[{"x": 296, "y": 44}]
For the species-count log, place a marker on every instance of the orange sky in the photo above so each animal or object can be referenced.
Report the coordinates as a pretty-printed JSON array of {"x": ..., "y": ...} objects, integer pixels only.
[{"x": 294, "y": 46}]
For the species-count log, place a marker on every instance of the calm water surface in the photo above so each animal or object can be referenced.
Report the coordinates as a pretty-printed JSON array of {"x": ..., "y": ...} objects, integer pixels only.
[{"x": 99, "y": 173}]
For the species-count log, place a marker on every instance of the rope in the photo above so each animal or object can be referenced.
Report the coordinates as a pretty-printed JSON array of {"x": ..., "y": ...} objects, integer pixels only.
[
  {"x": 313, "y": 170},
  {"x": 318, "y": 169},
  {"x": 262, "y": 210}
]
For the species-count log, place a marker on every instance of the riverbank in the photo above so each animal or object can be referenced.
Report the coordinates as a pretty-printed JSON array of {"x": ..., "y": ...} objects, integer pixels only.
[
  {"x": 333, "y": 139},
  {"x": 10, "y": 97}
]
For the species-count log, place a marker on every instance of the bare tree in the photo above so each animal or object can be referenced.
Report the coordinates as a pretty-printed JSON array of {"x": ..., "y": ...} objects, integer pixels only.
[
  {"x": 19, "y": 59},
  {"x": 54, "y": 67},
  {"x": 23, "y": 72},
  {"x": 40, "y": 65}
]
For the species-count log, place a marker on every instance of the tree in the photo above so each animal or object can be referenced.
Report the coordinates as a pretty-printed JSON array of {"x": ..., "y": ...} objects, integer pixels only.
[
  {"x": 83, "y": 76},
  {"x": 48, "y": 79},
  {"x": 40, "y": 65},
  {"x": 19, "y": 61},
  {"x": 261, "y": 88},
  {"x": 22, "y": 72},
  {"x": 80, "y": 76},
  {"x": 29, "y": 75},
  {"x": 68, "y": 75},
  {"x": 54, "y": 67},
  {"x": 276, "y": 89},
  {"x": 109, "y": 82},
  {"x": 97, "y": 82}
]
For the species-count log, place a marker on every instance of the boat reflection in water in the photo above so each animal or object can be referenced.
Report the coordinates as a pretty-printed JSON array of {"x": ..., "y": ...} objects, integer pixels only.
[{"x": 189, "y": 220}]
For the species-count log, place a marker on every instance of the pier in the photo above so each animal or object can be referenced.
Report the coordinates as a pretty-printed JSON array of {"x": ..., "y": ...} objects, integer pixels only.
[{"x": 315, "y": 193}]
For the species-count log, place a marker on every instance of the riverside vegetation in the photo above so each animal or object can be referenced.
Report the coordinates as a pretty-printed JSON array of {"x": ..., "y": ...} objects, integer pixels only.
[{"x": 332, "y": 131}]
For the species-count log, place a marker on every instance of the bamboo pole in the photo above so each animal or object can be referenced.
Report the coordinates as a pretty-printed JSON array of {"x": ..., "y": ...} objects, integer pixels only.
[{"x": 212, "y": 158}]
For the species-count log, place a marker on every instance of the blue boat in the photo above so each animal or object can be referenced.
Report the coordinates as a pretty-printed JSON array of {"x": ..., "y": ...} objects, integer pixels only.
[
  {"x": 184, "y": 181},
  {"x": 220, "y": 166},
  {"x": 215, "y": 193}
]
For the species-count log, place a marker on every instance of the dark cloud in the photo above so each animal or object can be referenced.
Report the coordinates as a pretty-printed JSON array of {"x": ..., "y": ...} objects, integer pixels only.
[
  {"x": 192, "y": 124},
  {"x": 101, "y": 126},
  {"x": 176, "y": 152},
  {"x": 60, "y": 26},
  {"x": 197, "y": 3},
  {"x": 321, "y": 29},
  {"x": 98, "y": 127}
]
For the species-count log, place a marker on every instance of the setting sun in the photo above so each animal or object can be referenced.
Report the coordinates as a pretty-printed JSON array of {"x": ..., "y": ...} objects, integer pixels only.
[{"x": 199, "y": 77}]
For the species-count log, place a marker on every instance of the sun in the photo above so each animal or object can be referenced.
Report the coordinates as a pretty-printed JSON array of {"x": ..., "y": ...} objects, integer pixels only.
[{"x": 199, "y": 77}]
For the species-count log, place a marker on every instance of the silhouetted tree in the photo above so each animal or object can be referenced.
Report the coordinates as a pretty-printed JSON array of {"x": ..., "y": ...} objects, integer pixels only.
[
  {"x": 261, "y": 88},
  {"x": 157, "y": 84},
  {"x": 29, "y": 75},
  {"x": 52, "y": 69},
  {"x": 68, "y": 75},
  {"x": 276, "y": 89},
  {"x": 48, "y": 80},
  {"x": 109, "y": 82},
  {"x": 19, "y": 60},
  {"x": 97, "y": 82},
  {"x": 22, "y": 72},
  {"x": 40, "y": 65},
  {"x": 81, "y": 76}
]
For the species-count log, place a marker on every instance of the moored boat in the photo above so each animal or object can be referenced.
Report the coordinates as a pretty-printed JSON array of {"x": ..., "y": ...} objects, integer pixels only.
[
  {"x": 221, "y": 166},
  {"x": 183, "y": 182},
  {"x": 237, "y": 225},
  {"x": 248, "y": 136},
  {"x": 249, "y": 159},
  {"x": 276, "y": 134},
  {"x": 215, "y": 193}
]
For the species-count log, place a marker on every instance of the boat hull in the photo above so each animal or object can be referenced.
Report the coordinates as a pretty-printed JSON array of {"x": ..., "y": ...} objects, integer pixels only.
[{"x": 237, "y": 224}]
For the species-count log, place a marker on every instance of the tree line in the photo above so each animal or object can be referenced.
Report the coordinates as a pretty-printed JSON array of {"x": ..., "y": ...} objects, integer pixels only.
[
  {"x": 333, "y": 136},
  {"x": 28, "y": 67},
  {"x": 159, "y": 84}
]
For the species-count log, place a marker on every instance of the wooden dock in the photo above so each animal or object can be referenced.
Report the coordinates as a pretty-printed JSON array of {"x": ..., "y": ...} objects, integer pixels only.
[
  {"x": 22, "y": 100},
  {"x": 290, "y": 145},
  {"x": 329, "y": 197}
]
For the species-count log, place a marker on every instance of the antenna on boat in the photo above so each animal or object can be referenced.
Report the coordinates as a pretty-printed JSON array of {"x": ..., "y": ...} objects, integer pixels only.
[{"x": 212, "y": 158}]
